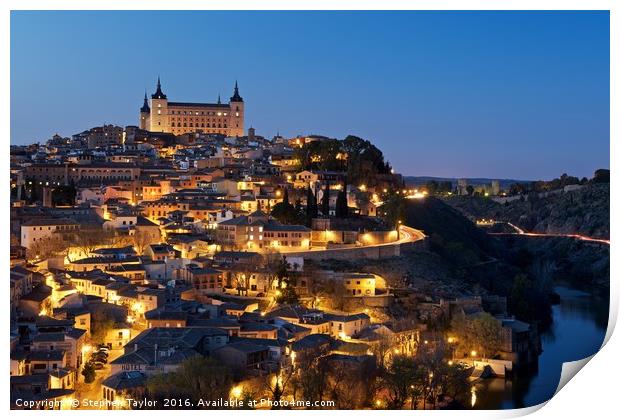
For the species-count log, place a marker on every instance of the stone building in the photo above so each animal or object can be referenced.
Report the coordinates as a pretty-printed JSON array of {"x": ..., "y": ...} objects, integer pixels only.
[{"x": 178, "y": 118}]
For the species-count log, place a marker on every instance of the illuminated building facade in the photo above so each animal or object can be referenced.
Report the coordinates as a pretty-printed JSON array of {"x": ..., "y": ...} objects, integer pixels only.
[{"x": 178, "y": 118}]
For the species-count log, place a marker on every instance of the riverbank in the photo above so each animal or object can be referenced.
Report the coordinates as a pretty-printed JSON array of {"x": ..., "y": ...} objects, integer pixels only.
[{"x": 577, "y": 331}]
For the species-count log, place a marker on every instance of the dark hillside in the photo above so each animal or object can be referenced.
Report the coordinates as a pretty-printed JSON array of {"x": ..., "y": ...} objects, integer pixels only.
[{"x": 451, "y": 234}]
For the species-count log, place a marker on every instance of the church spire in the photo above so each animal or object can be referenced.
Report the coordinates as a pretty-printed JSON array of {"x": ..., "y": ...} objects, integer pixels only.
[
  {"x": 145, "y": 106},
  {"x": 219, "y": 100},
  {"x": 236, "y": 97},
  {"x": 158, "y": 94}
]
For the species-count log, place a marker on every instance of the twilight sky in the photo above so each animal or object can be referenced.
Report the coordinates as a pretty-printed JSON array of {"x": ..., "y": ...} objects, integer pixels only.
[{"x": 520, "y": 95}]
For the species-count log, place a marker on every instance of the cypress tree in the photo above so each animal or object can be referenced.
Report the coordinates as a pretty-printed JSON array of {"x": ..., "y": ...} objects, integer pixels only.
[
  {"x": 325, "y": 201},
  {"x": 342, "y": 209},
  {"x": 310, "y": 204},
  {"x": 285, "y": 198},
  {"x": 315, "y": 205}
]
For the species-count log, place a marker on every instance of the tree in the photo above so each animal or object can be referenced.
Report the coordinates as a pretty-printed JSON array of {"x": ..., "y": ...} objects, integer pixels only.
[
  {"x": 361, "y": 160},
  {"x": 101, "y": 327},
  {"x": 601, "y": 176},
  {"x": 311, "y": 207},
  {"x": 198, "y": 378},
  {"x": 480, "y": 333},
  {"x": 276, "y": 385},
  {"x": 311, "y": 374},
  {"x": 88, "y": 239},
  {"x": 417, "y": 389},
  {"x": 47, "y": 247},
  {"x": 350, "y": 385},
  {"x": 397, "y": 380},
  {"x": 382, "y": 349},
  {"x": 285, "y": 283},
  {"x": 342, "y": 207},
  {"x": 456, "y": 381},
  {"x": 325, "y": 201},
  {"x": 285, "y": 212},
  {"x": 334, "y": 292},
  {"x": 64, "y": 195},
  {"x": 141, "y": 240},
  {"x": 395, "y": 209},
  {"x": 241, "y": 280},
  {"x": 88, "y": 371},
  {"x": 364, "y": 161}
]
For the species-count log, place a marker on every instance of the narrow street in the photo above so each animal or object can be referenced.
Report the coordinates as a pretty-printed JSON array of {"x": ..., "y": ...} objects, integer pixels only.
[{"x": 93, "y": 390}]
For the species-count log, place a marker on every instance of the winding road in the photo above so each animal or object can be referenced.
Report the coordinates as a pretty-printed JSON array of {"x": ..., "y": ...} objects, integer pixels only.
[{"x": 519, "y": 231}]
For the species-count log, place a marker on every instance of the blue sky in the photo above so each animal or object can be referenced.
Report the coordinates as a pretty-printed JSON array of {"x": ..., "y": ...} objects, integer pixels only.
[{"x": 476, "y": 94}]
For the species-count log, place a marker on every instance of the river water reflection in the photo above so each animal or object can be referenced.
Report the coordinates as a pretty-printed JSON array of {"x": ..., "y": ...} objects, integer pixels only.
[{"x": 578, "y": 329}]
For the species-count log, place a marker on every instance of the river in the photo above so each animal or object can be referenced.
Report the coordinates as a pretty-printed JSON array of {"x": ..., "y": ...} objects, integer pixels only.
[{"x": 578, "y": 329}]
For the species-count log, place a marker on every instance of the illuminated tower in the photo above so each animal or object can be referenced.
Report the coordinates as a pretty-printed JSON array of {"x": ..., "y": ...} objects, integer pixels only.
[
  {"x": 159, "y": 110},
  {"x": 236, "y": 109},
  {"x": 145, "y": 114}
]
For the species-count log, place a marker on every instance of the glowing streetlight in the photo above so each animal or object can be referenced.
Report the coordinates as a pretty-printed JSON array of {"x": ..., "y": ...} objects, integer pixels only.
[
  {"x": 236, "y": 392},
  {"x": 473, "y": 353}
]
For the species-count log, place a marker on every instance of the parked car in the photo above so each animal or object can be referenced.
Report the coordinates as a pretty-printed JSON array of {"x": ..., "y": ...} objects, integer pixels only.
[
  {"x": 104, "y": 349},
  {"x": 99, "y": 358},
  {"x": 98, "y": 365}
]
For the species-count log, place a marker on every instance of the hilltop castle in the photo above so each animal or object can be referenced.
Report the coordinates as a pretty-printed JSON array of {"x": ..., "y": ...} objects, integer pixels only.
[{"x": 188, "y": 117}]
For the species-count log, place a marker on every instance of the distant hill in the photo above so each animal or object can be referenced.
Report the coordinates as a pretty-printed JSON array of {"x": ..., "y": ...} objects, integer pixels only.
[
  {"x": 584, "y": 211},
  {"x": 416, "y": 181}
]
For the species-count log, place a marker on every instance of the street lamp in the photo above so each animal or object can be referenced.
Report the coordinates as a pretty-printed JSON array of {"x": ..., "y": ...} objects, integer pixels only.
[{"x": 236, "y": 392}]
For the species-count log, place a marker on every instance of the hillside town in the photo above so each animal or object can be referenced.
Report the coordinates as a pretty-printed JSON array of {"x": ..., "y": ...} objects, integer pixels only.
[{"x": 142, "y": 257}]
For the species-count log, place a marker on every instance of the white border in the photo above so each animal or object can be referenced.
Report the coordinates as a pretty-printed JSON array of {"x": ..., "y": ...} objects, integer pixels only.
[{"x": 593, "y": 395}]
